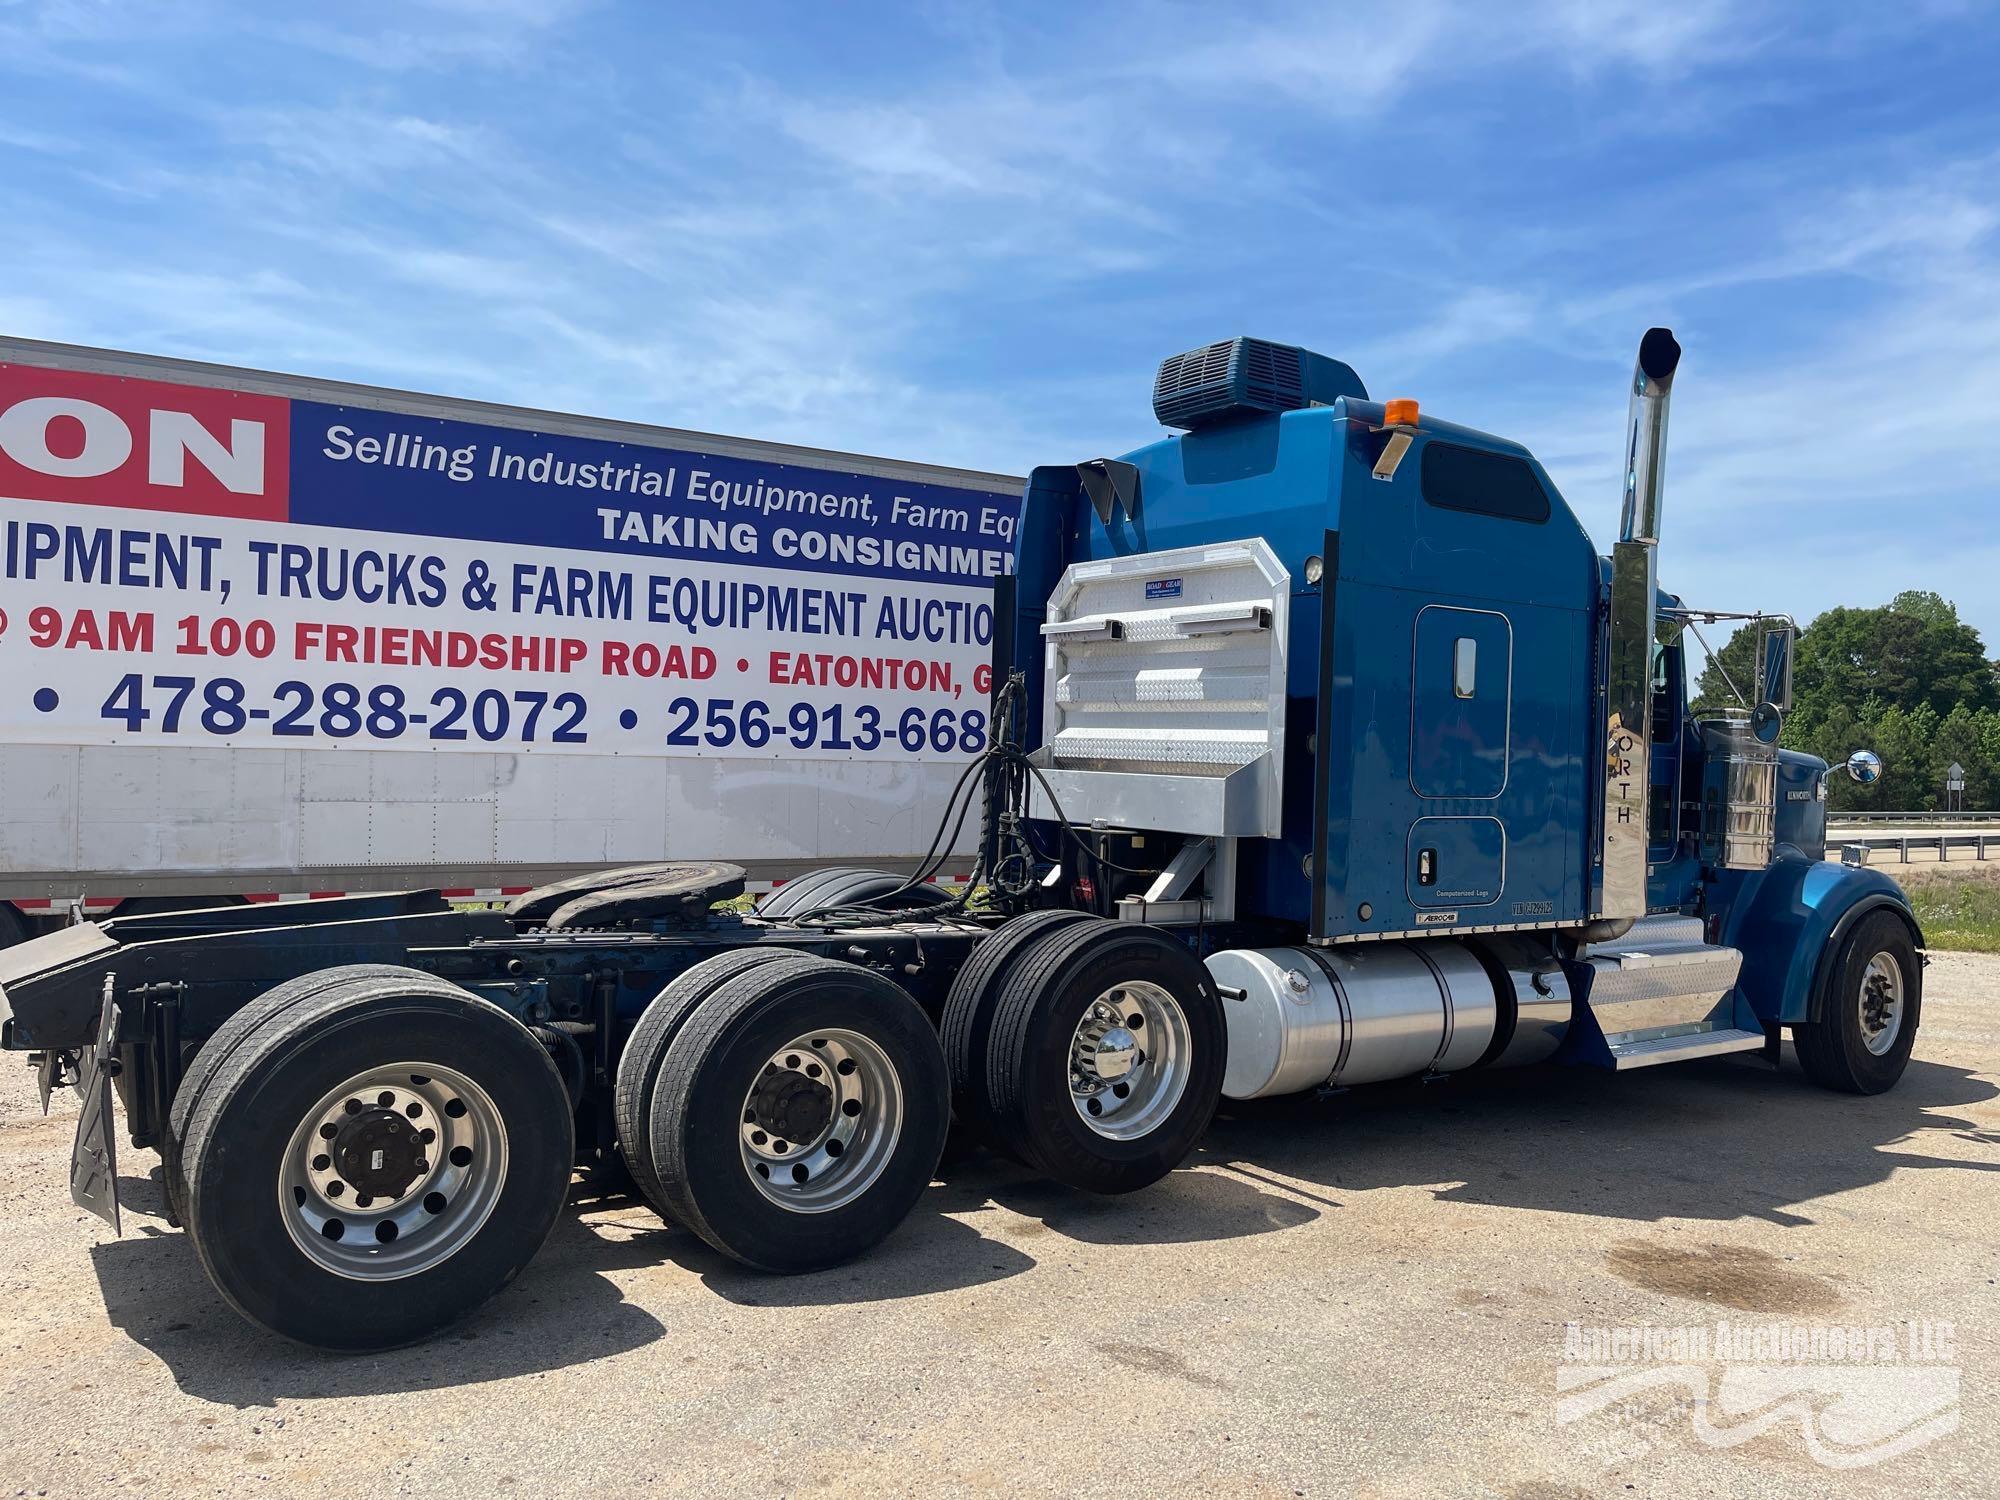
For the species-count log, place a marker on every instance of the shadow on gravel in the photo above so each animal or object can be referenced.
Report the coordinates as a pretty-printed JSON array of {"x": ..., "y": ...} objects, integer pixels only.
[
  {"x": 931, "y": 1252},
  {"x": 1725, "y": 1139},
  {"x": 562, "y": 1311},
  {"x": 926, "y": 1253},
  {"x": 1722, "y": 1140},
  {"x": 1184, "y": 1208}
]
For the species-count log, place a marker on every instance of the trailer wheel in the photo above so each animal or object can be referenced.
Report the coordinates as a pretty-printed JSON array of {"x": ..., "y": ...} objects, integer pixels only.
[
  {"x": 843, "y": 885},
  {"x": 967, "y": 1026},
  {"x": 797, "y": 894},
  {"x": 13, "y": 926},
  {"x": 1868, "y": 1011},
  {"x": 685, "y": 879},
  {"x": 376, "y": 1161},
  {"x": 227, "y": 1037},
  {"x": 1106, "y": 1055},
  {"x": 800, "y": 1114},
  {"x": 639, "y": 1062}
]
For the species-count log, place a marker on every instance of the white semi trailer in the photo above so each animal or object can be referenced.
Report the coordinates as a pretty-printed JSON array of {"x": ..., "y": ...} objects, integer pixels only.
[{"x": 270, "y": 637}]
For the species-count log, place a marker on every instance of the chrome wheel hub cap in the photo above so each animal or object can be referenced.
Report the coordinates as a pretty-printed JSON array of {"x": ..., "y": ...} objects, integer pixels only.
[
  {"x": 1881, "y": 1003},
  {"x": 393, "y": 1172},
  {"x": 1116, "y": 1055},
  {"x": 821, "y": 1121},
  {"x": 1129, "y": 1060}
]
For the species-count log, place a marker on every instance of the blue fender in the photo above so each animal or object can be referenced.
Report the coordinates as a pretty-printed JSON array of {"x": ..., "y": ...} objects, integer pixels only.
[{"x": 1788, "y": 918}]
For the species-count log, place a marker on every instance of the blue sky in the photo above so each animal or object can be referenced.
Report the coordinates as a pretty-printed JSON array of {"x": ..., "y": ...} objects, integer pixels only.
[{"x": 967, "y": 233}]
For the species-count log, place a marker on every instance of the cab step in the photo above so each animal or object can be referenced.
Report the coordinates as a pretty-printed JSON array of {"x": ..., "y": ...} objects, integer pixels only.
[
  {"x": 1661, "y": 979},
  {"x": 1683, "y": 1047}
]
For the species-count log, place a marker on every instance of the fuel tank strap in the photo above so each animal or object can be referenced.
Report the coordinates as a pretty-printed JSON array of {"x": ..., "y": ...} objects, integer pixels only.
[
  {"x": 1450, "y": 1026},
  {"x": 1325, "y": 966}
]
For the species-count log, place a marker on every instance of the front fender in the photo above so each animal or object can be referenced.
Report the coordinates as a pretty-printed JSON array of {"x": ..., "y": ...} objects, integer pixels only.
[{"x": 1789, "y": 917}]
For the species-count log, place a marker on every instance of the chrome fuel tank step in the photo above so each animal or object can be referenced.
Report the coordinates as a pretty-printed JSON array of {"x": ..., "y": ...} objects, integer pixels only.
[
  {"x": 1660, "y": 982},
  {"x": 1684, "y": 1047}
]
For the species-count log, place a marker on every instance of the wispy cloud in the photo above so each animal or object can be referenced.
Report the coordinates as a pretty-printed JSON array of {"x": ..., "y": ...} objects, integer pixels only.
[{"x": 967, "y": 232}]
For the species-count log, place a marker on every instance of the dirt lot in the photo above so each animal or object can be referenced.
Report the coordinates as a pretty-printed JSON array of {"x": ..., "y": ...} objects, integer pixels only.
[{"x": 1363, "y": 1295}]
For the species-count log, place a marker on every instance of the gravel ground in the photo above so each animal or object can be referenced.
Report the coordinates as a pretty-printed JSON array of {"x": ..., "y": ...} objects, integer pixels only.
[{"x": 1366, "y": 1295}]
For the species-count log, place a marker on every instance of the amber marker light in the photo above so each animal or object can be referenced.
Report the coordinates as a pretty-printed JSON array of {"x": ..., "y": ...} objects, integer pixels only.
[{"x": 1402, "y": 412}]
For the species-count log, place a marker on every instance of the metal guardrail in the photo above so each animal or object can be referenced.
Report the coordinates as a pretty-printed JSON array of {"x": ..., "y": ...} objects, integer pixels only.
[
  {"x": 1915, "y": 819},
  {"x": 1857, "y": 851}
]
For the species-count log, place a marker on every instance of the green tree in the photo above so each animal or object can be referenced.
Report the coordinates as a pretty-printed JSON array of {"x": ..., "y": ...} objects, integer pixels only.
[
  {"x": 1734, "y": 663},
  {"x": 1905, "y": 739},
  {"x": 1914, "y": 650},
  {"x": 1960, "y": 740},
  {"x": 1843, "y": 731},
  {"x": 1988, "y": 722},
  {"x": 1908, "y": 680},
  {"x": 1922, "y": 604}
]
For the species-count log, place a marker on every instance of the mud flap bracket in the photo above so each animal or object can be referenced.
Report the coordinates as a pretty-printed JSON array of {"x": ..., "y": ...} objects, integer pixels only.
[{"x": 93, "y": 1160}]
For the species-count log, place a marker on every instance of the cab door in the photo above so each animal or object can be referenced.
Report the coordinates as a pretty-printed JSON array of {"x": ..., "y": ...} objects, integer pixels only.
[
  {"x": 1461, "y": 716},
  {"x": 1460, "y": 702}
]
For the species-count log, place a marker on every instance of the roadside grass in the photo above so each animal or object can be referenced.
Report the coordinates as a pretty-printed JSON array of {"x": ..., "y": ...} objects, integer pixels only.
[{"x": 1958, "y": 909}]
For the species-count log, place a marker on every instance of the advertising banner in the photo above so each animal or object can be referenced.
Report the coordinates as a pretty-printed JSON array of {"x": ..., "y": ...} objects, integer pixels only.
[{"x": 189, "y": 565}]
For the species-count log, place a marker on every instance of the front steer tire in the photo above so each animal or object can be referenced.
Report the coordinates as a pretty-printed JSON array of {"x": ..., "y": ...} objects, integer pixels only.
[
  {"x": 829, "y": 1079},
  {"x": 500, "y": 1126},
  {"x": 1845, "y": 1050}
]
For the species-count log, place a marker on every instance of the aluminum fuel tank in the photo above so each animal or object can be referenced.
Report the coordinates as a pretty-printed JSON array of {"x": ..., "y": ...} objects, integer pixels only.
[{"x": 1302, "y": 1017}]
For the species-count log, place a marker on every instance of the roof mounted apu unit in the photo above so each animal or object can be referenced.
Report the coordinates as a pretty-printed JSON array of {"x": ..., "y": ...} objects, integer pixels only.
[{"x": 1247, "y": 377}]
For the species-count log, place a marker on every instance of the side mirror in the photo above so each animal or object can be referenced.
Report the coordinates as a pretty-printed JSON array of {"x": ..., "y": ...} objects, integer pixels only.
[
  {"x": 1865, "y": 766},
  {"x": 1765, "y": 722},
  {"x": 1775, "y": 665}
]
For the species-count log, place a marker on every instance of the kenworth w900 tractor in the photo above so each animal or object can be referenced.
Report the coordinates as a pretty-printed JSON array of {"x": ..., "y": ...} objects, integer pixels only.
[{"x": 1325, "y": 749}]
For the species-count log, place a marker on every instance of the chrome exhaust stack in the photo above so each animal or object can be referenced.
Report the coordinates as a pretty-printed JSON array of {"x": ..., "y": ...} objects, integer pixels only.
[
  {"x": 1628, "y": 717},
  {"x": 1646, "y": 436}
]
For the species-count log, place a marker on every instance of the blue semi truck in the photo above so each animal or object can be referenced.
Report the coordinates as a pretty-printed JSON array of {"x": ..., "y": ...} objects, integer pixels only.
[{"x": 1325, "y": 749}]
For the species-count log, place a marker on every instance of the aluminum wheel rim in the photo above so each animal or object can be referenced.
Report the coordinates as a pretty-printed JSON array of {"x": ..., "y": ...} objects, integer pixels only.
[
  {"x": 802, "y": 1162},
  {"x": 456, "y": 1145},
  {"x": 1129, "y": 1060},
  {"x": 1881, "y": 1003}
]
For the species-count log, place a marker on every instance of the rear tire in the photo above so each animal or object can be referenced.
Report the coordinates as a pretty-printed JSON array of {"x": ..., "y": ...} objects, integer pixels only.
[
  {"x": 800, "y": 1114},
  {"x": 967, "y": 1025},
  {"x": 1106, "y": 1055},
  {"x": 1869, "y": 1009},
  {"x": 311, "y": 1201},
  {"x": 639, "y": 1062},
  {"x": 13, "y": 926},
  {"x": 226, "y": 1038}
]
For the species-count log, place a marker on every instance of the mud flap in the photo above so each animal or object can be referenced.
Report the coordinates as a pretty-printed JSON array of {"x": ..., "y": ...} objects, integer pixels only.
[{"x": 93, "y": 1160}]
